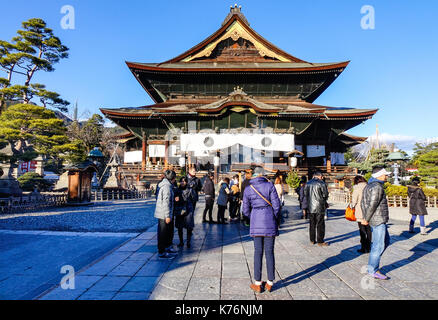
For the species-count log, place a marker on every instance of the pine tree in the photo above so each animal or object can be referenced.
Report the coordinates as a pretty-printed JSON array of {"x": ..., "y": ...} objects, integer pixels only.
[
  {"x": 34, "y": 49},
  {"x": 31, "y": 130},
  {"x": 428, "y": 167}
]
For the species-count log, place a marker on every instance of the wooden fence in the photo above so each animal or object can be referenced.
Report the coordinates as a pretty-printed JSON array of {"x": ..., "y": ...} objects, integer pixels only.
[
  {"x": 32, "y": 202},
  {"x": 38, "y": 201},
  {"x": 393, "y": 201},
  {"x": 105, "y": 195}
]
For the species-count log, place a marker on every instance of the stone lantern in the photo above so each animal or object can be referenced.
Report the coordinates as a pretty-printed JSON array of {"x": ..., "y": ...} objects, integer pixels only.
[
  {"x": 9, "y": 185},
  {"x": 393, "y": 157}
]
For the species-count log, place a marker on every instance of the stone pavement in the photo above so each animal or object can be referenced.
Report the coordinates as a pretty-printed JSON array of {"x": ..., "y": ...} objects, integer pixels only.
[
  {"x": 220, "y": 265},
  {"x": 31, "y": 261}
]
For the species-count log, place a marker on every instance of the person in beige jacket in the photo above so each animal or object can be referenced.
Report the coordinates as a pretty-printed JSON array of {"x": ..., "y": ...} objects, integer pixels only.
[{"x": 364, "y": 230}]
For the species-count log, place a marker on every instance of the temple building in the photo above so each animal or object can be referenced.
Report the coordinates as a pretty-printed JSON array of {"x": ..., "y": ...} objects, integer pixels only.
[{"x": 233, "y": 100}]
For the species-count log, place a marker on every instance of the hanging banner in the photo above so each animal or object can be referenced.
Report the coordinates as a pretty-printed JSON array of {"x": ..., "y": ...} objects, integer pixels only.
[
  {"x": 157, "y": 150},
  {"x": 132, "y": 156},
  {"x": 314, "y": 151},
  {"x": 337, "y": 158},
  {"x": 208, "y": 142}
]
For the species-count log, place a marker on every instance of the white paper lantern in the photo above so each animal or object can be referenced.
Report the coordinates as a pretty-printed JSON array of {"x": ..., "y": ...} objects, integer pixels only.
[
  {"x": 182, "y": 161},
  {"x": 293, "y": 162},
  {"x": 216, "y": 161}
]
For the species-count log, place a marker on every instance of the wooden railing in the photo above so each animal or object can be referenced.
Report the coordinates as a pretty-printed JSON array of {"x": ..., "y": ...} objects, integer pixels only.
[
  {"x": 108, "y": 195},
  {"x": 393, "y": 201},
  {"x": 32, "y": 202},
  {"x": 339, "y": 196}
]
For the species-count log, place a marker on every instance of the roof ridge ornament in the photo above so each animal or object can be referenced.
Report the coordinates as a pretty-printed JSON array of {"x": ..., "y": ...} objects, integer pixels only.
[
  {"x": 238, "y": 94},
  {"x": 235, "y": 10}
]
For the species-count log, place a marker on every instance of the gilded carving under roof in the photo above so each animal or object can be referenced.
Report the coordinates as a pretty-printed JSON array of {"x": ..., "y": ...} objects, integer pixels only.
[{"x": 236, "y": 31}]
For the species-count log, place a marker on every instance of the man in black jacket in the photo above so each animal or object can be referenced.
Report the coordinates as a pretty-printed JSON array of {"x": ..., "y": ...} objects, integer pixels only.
[
  {"x": 208, "y": 190},
  {"x": 244, "y": 184},
  {"x": 316, "y": 194},
  {"x": 375, "y": 211},
  {"x": 195, "y": 185}
]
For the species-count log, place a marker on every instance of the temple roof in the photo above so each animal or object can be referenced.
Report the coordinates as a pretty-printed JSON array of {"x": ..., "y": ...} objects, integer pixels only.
[
  {"x": 238, "y": 99},
  {"x": 237, "y": 66},
  {"x": 240, "y": 53}
]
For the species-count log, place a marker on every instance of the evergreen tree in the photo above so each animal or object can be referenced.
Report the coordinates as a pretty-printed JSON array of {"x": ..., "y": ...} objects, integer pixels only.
[
  {"x": 34, "y": 49},
  {"x": 376, "y": 158},
  {"x": 31, "y": 130},
  {"x": 89, "y": 134},
  {"x": 428, "y": 167}
]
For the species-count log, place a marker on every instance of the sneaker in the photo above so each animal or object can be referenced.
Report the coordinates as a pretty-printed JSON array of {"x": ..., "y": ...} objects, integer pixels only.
[
  {"x": 180, "y": 245},
  {"x": 256, "y": 288},
  {"x": 323, "y": 244},
  {"x": 267, "y": 286},
  {"x": 378, "y": 275},
  {"x": 312, "y": 242},
  {"x": 171, "y": 251},
  {"x": 166, "y": 255}
]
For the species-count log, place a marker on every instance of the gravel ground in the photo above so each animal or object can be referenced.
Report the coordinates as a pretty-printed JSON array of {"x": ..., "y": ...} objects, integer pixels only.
[{"x": 114, "y": 216}]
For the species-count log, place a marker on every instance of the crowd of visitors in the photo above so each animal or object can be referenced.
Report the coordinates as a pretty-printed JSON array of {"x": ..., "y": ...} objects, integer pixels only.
[{"x": 257, "y": 202}]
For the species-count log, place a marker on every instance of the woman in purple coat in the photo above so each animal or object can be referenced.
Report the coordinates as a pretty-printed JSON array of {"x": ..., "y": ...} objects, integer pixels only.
[{"x": 262, "y": 205}]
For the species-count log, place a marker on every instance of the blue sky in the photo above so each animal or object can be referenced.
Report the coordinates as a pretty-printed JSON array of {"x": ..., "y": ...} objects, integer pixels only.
[{"x": 393, "y": 67}]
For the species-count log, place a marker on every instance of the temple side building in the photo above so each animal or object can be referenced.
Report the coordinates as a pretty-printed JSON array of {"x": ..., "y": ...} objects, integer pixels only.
[{"x": 233, "y": 100}]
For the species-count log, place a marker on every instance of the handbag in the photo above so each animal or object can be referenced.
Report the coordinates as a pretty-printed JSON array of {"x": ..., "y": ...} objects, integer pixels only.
[
  {"x": 278, "y": 219},
  {"x": 349, "y": 213}
]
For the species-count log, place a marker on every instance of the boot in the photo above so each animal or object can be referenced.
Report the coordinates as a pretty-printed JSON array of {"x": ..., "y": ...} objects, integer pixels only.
[
  {"x": 423, "y": 231},
  {"x": 411, "y": 228},
  {"x": 181, "y": 240},
  {"x": 189, "y": 237}
]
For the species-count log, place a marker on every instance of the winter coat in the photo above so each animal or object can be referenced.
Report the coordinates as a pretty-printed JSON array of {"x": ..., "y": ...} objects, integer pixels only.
[
  {"x": 279, "y": 189},
  {"x": 195, "y": 185},
  {"x": 416, "y": 201},
  {"x": 184, "y": 210},
  {"x": 316, "y": 194},
  {"x": 165, "y": 198},
  {"x": 374, "y": 203},
  {"x": 224, "y": 190},
  {"x": 302, "y": 197},
  {"x": 244, "y": 184},
  {"x": 356, "y": 198},
  {"x": 263, "y": 217},
  {"x": 208, "y": 188},
  {"x": 235, "y": 193}
]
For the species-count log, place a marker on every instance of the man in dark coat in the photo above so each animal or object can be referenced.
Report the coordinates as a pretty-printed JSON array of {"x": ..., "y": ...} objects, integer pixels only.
[
  {"x": 195, "y": 185},
  {"x": 417, "y": 206},
  {"x": 316, "y": 194},
  {"x": 375, "y": 212},
  {"x": 245, "y": 183},
  {"x": 262, "y": 204},
  {"x": 208, "y": 190}
]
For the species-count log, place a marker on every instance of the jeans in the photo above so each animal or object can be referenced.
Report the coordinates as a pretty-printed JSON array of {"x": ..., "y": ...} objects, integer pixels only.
[
  {"x": 317, "y": 226},
  {"x": 209, "y": 202},
  {"x": 379, "y": 244},
  {"x": 264, "y": 244},
  {"x": 414, "y": 217}
]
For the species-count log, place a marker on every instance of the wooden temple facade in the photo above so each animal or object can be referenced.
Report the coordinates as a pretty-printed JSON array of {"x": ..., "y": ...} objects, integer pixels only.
[{"x": 236, "y": 99}]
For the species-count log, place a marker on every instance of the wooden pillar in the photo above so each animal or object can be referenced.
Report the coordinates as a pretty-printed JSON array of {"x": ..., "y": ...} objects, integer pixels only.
[{"x": 144, "y": 146}]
